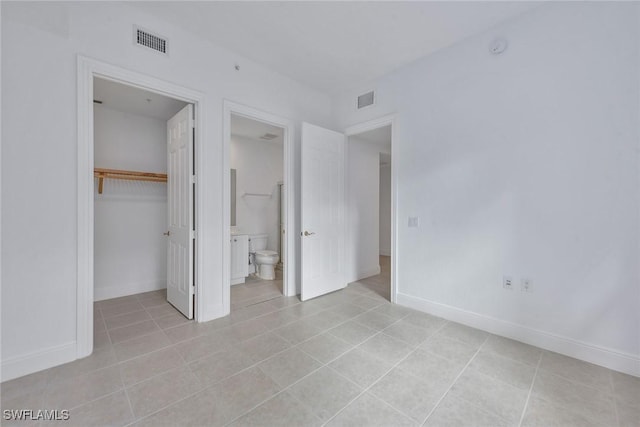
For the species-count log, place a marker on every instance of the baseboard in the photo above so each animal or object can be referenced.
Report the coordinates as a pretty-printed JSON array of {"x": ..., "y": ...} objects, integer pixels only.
[
  {"x": 37, "y": 361},
  {"x": 237, "y": 281},
  {"x": 108, "y": 292},
  {"x": 363, "y": 274},
  {"x": 609, "y": 358},
  {"x": 212, "y": 312}
]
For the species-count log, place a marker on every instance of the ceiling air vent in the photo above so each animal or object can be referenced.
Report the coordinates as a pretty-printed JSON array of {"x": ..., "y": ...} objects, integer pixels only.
[
  {"x": 366, "y": 99},
  {"x": 150, "y": 40},
  {"x": 268, "y": 136}
]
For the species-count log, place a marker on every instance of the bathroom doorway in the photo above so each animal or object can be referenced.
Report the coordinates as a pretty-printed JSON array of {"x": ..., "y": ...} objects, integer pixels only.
[{"x": 258, "y": 246}]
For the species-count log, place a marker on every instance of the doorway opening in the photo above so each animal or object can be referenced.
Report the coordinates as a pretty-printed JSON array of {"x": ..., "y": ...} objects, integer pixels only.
[
  {"x": 369, "y": 186},
  {"x": 132, "y": 233},
  {"x": 260, "y": 211},
  {"x": 256, "y": 214},
  {"x": 183, "y": 139}
]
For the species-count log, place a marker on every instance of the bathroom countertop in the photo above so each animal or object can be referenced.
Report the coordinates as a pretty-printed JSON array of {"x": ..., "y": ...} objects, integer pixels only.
[{"x": 236, "y": 232}]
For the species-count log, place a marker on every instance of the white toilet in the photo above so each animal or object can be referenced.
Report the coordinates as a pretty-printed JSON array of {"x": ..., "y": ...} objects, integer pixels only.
[{"x": 265, "y": 261}]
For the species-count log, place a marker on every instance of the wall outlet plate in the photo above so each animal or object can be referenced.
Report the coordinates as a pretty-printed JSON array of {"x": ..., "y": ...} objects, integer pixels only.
[
  {"x": 507, "y": 282},
  {"x": 414, "y": 221},
  {"x": 527, "y": 285}
]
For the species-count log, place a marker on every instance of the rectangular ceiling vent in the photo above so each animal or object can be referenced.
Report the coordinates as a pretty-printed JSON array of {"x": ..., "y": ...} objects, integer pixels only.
[
  {"x": 268, "y": 136},
  {"x": 152, "y": 41},
  {"x": 366, "y": 99}
]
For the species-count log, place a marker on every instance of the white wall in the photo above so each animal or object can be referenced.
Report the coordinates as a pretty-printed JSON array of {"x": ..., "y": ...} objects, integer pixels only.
[
  {"x": 40, "y": 44},
  {"x": 259, "y": 167},
  {"x": 524, "y": 164},
  {"x": 130, "y": 251},
  {"x": 385, "y": 210},
  {"x": 363, "y": 206}
]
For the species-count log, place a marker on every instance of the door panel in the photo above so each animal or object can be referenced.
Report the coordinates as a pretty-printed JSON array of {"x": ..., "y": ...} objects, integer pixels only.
[
  {"x": 180, "y": 282},
  {"x": 323, "y": 211}
]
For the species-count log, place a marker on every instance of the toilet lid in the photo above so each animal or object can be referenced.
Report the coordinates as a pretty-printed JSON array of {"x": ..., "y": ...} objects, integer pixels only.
[{"x": 266, "y": 253}]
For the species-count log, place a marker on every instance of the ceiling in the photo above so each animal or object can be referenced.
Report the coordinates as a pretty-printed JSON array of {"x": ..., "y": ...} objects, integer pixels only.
[
  {"x": 333, "y": 46},
  {"x": 253, "y": 129},
  {"x": 132, "y": 100}
]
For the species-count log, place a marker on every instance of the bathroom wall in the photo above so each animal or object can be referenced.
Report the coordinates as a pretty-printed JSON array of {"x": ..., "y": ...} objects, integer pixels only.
[
  {"x": 259, "y": 167},
  {"x": 130, "y": 251},
  {"x": 385, "y": 209},
  {"x": 363, "y": 207}
]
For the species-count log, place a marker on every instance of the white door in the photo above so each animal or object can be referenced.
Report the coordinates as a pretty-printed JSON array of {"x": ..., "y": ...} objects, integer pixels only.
[
  {"x": 180, "y": 280},
  {"x": 323, "y": 211}
]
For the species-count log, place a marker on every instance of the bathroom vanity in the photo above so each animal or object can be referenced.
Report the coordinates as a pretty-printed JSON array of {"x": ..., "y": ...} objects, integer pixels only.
[{"x": 239, "y": 258}]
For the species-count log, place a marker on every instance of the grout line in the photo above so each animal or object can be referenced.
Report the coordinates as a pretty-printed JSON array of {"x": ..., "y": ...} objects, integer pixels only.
[
  {"x": 366, "y": 389},
  {"x": 243, "y": 370},
  {"x": 126, "y": 394},
  {"x": 296, "y": 345},
  {"x": 526, "y": 403},
  {"x": 322, "y": 365},
  {"x": 615, "y": 399},
  {"x": 455, "y": 380}
]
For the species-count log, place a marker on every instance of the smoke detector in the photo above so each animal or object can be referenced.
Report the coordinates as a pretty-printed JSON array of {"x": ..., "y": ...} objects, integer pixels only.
[{"x": 499, "y": 45}]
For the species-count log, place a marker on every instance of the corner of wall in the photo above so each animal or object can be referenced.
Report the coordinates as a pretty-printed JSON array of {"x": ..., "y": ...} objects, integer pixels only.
[
  {"x": 37, "y": 361},
  {"x": 612, "y": 359}
]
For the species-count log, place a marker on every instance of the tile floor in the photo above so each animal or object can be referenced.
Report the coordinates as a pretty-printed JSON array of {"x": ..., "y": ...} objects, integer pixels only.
[
  {"x": 255, "y": 290},
  {"x": 345, "y": 359}
]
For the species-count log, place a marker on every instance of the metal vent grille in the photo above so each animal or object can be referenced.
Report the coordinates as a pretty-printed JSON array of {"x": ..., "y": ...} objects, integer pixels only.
[
  {"x": 366, "y": 99},
  {"x": 152, "y": 41}
]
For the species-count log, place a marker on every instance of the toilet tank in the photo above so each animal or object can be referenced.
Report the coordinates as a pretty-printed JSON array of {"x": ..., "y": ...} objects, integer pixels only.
[{"x": 258, "y": 242}]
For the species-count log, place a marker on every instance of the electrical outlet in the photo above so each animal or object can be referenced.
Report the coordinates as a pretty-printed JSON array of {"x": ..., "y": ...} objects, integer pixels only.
[
  {"x": 507, "y": 282},
  {"x": 527, "y": 285},
  {"x": 414, "y": 221}
]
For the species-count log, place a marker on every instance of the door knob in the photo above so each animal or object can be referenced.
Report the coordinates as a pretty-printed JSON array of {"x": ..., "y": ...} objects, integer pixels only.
[
  {"x": 306, "y": 233},
  {"x": 168, "y": 233}
]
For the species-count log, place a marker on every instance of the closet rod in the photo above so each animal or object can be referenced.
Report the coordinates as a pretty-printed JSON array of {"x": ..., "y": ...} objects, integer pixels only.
[{"x": 101, "y": 174}]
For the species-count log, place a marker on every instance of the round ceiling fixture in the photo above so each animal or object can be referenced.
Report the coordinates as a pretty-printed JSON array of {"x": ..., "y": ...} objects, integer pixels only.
[{"x": 498, "y": 46}]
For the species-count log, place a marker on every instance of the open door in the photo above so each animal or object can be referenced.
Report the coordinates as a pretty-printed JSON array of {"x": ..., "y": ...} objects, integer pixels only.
[
  {"x": 323, "y": 211},
  {"x": 180, "y": 280}
]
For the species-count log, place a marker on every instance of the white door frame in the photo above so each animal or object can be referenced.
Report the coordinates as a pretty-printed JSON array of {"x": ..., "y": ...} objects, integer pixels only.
[
  {"x": 289, "y": 273},
  {"x": 88, "y": 69},
  {"x": 389, "y": 120}
]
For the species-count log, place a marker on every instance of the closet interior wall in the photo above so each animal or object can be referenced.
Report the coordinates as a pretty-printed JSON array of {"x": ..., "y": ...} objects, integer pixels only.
[{"x": 130, "y": 215}]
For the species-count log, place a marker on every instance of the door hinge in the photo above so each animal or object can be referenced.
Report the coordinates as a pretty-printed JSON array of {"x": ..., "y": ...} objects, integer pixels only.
[
  {"x": 192, "y": 234},
  {"x": 192, "y": 179},
  {"x": 193, "y": 124}
]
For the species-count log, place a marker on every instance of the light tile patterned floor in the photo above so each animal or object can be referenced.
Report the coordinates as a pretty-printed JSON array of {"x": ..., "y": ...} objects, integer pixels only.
[
  {"x": 255, "y": 290},
  {"x": 346, "y": 359}
]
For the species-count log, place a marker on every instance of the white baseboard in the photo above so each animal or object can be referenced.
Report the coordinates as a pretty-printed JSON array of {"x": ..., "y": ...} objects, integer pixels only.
[
  {"x": 18, "y": 366},
  {"x": 609, "y": 358},
  {"x": 237, "y": 281},
  {"x": 363, "y": 274},
  {"x": 108, "y": 292}
]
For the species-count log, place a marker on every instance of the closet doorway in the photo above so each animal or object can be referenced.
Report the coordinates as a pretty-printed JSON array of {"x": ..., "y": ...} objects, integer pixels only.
[
  {"x": 88, "y": 70},
  {"x": 143, "y": 209}
]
